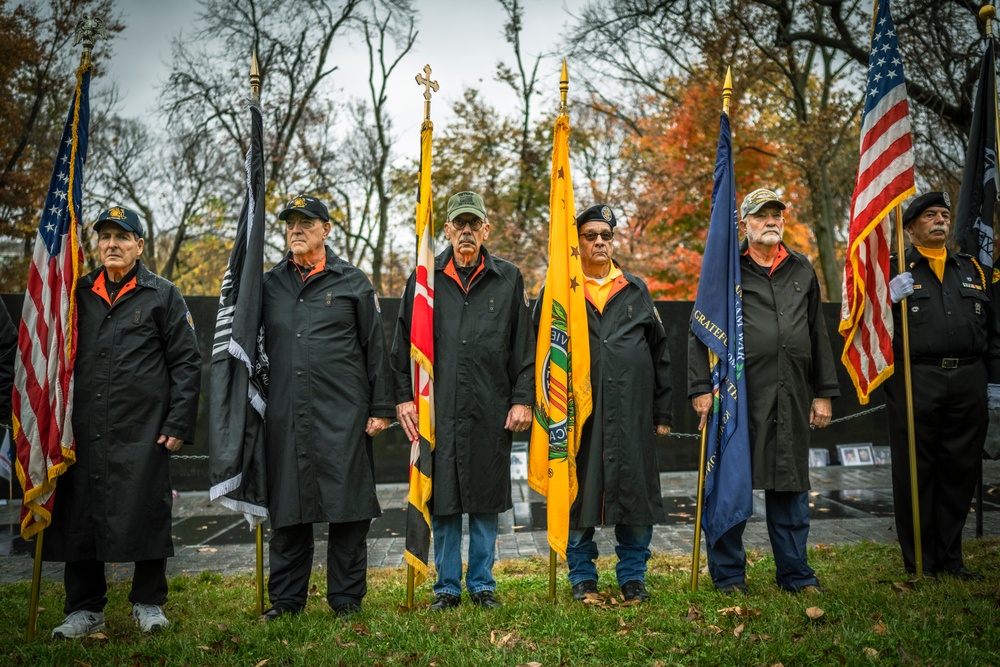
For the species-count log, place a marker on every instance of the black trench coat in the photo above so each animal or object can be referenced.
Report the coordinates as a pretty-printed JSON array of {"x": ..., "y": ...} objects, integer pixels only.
[
  {"x": 616, "y": 466},
  {"x": 484, "y": 361},
  {"x": 326, "y": 348},
  {"x": 138, "y": 373},
  {"x": 789, "y": 361}
]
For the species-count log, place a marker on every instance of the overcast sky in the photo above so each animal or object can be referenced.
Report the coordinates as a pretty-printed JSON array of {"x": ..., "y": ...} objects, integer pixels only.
[{"x": 461, "y": 40}]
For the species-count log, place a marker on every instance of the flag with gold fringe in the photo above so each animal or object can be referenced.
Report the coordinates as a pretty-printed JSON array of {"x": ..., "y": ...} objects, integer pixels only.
[
  {"x": 43, "y": 368},
  {"x": 562, "y": 357},
  {"x": 418, "y": 515}
]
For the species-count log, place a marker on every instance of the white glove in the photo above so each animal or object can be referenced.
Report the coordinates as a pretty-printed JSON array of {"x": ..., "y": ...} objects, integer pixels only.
[
  {"x": 993, "y": 396},
  {"x": 901, "y": 287}
]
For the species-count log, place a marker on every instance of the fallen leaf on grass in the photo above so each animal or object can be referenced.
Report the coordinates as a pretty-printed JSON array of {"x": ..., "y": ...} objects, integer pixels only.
[
  {"x": 759, "y": 638},
  {"x": 81, "y": 663},
  {"x": 740, "y": 611},
  {"x": 629, "y": 603},
  {"x": 222, "y": 626},
  {"x": 262, "y": 662},
  {"x": 709, "y": 630},
  {"x": 361, "y": 629},
  {"x": 314, "y": 591},
  {"x": 530, "y": 664},
  {"x": 870, "y": 652},
  {"x": 342, "y": 644},
  {"x": 506, "y": 641},
  {"x": 694, "y": 614},
  {"x": 814, "y": 613},
  {"x": 738, "y": 630},
  {"x": 880, "y": 628},
  {"x": 904, "y": 586},
  {"x": 99, "y": 636}
]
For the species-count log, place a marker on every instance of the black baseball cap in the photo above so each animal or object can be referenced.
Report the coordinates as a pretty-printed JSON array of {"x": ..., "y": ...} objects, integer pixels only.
[
  {"x": 125, "y": 218},
  {"x": 308, "y": 206}
]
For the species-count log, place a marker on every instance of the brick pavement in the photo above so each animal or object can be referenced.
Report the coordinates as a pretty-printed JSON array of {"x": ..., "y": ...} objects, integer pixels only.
[{"x": 849, "y": 505}]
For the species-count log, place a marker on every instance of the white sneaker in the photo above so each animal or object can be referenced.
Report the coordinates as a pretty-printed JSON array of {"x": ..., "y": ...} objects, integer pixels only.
[
  {"x": 149, "y": 617},
  {"x": 79, "y": 624}
]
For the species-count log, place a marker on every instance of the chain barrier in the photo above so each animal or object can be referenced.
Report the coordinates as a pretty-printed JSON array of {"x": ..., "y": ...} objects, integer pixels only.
[{"x": 839, "y": 420}]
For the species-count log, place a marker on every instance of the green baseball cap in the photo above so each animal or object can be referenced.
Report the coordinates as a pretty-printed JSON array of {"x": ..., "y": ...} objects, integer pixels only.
[{"x": 466, "y": 202}]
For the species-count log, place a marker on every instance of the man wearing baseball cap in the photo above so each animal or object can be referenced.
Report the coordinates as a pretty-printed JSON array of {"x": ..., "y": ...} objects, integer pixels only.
[
  {"x": 791, "y": 378},
  {"x": 138, "y": 372},
  {"x": 955, "y": 370},
  {"x": 484, "y": 386},
  {"x": 330, "y": 393}
]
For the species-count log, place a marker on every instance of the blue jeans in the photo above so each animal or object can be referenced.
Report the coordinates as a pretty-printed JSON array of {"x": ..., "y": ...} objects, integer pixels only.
[
  {"x": 632, "y": 548},
  {"x": 448, "y": 553},
  {"x": 787, "y": 514}
]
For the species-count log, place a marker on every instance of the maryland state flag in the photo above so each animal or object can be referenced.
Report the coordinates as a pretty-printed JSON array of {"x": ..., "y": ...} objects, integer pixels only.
[
  {"x": 562, "y": 358},
  {"x": 418, "y": 515},
  {"x": 43, "y": 368}
]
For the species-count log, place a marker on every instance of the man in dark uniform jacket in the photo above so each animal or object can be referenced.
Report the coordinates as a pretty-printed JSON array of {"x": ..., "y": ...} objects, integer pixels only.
[
  {"x": 138, "y": 373},
  {"x": 329, "y": 395},
  {"x": 791, "y": 379},
  {"x": 484, "y": 386},
  {"x": 954, "y": 361},
  {"x": 616, "y": 467}
]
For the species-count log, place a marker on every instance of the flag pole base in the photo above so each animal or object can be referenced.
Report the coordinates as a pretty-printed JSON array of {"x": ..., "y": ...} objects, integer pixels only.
[
  {"x": 552, "y": 575},
  {"x": 260, "y": 570},
  {"x": 36, "y": 581}
]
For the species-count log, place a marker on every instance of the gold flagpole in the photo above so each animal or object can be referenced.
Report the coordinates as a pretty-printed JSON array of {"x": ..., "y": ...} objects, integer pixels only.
[
  {"x": 727, "y": 94},
  {"x": 87, "y": 31},
  {"x": 255, "y": 96},
  {"x": 563, "y": 111},
  {"x": 429, "y": 86}
]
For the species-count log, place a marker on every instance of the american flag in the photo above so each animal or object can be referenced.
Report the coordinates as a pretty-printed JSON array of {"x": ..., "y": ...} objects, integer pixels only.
[
  {"x": 43, "y": 371},
  {"x": 884, "y": 180}
]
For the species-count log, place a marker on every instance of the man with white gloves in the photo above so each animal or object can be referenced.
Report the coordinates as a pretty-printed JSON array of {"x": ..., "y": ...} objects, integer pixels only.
[{"x": 955, "y": 366}]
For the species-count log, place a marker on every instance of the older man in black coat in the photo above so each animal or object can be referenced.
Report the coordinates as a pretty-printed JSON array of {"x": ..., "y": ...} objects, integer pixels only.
[
  {"x": 791, "y": 381},
  {"x": 138, "y": 373},
  {"x": 484, "y": 360},
  {"x": 329, "y": 395}
]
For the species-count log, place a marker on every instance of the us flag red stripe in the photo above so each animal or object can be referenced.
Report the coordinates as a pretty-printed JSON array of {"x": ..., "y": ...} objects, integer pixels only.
[
  {"x": 43, "y": 371},
  {"x": 884, "y": 180}
]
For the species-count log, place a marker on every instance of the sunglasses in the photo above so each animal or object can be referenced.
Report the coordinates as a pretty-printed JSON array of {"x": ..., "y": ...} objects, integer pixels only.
[
  {"x": 474, "y": 225},
  {"x": 590, "y": 237}
]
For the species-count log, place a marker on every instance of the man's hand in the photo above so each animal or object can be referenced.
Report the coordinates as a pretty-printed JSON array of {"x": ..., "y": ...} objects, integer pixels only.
[
  {"x": 376, "y": 425},
  {"x": 171, "y": 443},
  {"x": 662, "y": 430},
  {"x": 821, "y": 412},
  {"x": 901, "y": 287},
  {"x": 703, "y": 406},
  {"x": 406, "y": 413},
  {"x": 519, "y": 418}
]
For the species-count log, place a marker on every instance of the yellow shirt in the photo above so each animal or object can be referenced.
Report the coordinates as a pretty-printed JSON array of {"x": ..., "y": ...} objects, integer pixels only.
[
  {"x": 599, "y": 290},
  {"x": 935, "y": 257}
]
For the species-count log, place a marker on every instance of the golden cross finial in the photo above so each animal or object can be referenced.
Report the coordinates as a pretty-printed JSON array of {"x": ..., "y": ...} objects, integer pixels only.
[{"x": 425, "y": 80}]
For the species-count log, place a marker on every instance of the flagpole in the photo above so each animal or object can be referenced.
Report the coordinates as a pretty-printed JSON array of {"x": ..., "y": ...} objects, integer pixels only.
[
  {"x": 986, "y": 13},
  {"x": 727, "y": 94},
  {"x": 88, "y": 29},
  {"x": 908, "y": 383},
  {"x": 255, "y": 96}
]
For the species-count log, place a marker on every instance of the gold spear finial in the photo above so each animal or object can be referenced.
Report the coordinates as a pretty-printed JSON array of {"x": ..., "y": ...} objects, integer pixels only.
[
  {"x": 88, "y": 29},
  {"x": 254, "y": 77},
  {"x": 429, "y": 85},
  {"x": 986, "y": 13},
  {"x": 563, "y": 90},
  {"x": 727, "y": 90}
]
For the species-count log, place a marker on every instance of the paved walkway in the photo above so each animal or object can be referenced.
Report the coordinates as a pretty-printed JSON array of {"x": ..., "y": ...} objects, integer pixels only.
[{"x": 848, "y": 505}]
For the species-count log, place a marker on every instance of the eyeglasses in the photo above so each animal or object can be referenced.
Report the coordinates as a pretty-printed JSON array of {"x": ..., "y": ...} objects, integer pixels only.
[
  {"x": 475, "y": 224},
  {"x": 303, "y": 223},
  {"x": 590, "y": 237}
]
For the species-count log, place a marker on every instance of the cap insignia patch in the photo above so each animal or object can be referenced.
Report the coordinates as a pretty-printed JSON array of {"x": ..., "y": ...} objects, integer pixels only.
[
  {"x": 117, "y": 213},
  {"x": 606, "y": 213},
  {"x": 298, "y": 202}
]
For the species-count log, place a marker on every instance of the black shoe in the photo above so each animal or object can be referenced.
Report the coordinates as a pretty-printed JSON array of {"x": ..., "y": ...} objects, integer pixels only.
[
  {"x": 274, "y": 613},
  {"x": 584, "y": 588},
  {"x": 445, "y": 601},
  {"x": 486, "y": 600},
  {"x": 732, "y": 589},
  {"x": 347, "y": 610},
  {"x": 635, "y": 590},
  {"x": 965, "y": 573}
]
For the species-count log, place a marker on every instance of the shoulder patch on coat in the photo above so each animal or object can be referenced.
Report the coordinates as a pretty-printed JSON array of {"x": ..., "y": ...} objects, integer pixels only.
[
  {"x": 190, "y": 320},
  {"x": 657, "y": 313},
  {"x": 526, "y": 299},
  {"x": 378, "y": 307},
  {"x": 996, "y": 275}
]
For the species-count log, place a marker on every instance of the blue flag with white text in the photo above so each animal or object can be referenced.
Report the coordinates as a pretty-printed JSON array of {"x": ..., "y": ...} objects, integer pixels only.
[{"x": 717, "y": 321}]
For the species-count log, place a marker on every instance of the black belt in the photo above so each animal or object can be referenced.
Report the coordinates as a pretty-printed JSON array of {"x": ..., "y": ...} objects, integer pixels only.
[{"x": 947, "y": 362}]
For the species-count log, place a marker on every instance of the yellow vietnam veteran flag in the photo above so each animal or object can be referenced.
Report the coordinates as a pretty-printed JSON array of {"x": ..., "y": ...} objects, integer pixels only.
[
  {"x": 418, "y": 515},
  {"x": 562, "y": 358}
]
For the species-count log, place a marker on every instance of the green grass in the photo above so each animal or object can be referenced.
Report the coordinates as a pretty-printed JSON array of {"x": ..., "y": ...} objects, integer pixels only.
[{"x": 867, "y": 619}]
